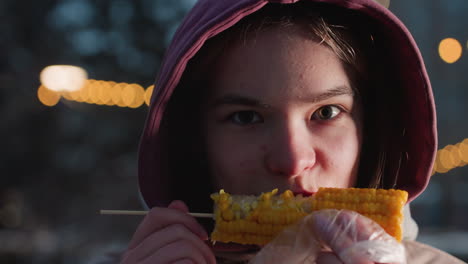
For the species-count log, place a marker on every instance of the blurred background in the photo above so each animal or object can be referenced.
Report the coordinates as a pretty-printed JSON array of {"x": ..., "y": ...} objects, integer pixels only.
[{"x": 65, "y": 156}]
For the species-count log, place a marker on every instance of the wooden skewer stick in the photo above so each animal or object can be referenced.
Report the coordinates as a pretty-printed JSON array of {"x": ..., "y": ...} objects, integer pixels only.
[{"x": 129, "y": 212}]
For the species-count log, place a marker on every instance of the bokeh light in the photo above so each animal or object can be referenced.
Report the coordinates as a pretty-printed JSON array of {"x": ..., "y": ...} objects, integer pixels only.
[
  {"x": 93, "y": 96},
  {"x": 450, "y": 50},
  {"x": 148, "y": 93},
  {"x": 117, "y": 95},
  {"x": 442, "y": 161},
  {"x": 385, "y": 3},
  {"x": 128, "y": 94},
  {"x": 99, "y": 92},
  {"x": 139, "y": 96},
  {"x": 103, "y": 92},
  {"x": 63, "y": 77},
  {"x": 71, "y": 83},
  {"x": 451, "y": 156},
  {"x": 463, "y": 150},
  {"x": 47, "y": 97}
]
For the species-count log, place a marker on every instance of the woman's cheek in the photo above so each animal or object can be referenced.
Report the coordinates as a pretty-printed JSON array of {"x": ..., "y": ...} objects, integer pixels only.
[
  {"x": 339, "y": 155},
  {"x": 223, "y": 154},
  {"x": 235, "y": 165}
]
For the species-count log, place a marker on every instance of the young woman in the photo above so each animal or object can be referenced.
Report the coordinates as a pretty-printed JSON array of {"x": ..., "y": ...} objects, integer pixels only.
[{"x": 255, "y": 95}]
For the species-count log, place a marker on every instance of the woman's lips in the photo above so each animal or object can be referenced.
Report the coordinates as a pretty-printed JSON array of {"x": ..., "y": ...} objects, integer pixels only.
[
  {"x": 304, "y": 193},
  {"x": 298, "y": 187},
  {"x": 299, "y": 190}
]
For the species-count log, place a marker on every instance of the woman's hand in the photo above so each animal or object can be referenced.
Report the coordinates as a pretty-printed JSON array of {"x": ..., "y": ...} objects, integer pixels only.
[
  {"x": 169, "y": 235},
  {"x": 333, "y": 236},
  {"x": 354, "y": 238}
]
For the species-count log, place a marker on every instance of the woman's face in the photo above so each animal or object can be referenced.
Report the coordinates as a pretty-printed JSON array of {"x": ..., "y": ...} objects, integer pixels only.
[{"x": 281, "y": 114}]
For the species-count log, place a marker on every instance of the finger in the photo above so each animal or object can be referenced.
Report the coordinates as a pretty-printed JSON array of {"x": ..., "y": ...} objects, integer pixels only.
[
  {"x": 328, "y": 258},
  {"x": 179, "y": 250},
  {"x": 159, "y": 218},
  {"x": 179, "y": 205},
  {"x": 184, "y": 261},
  {"x": 347, "y": 233},
  {"x": 356, "y": 227},
  {"x": 332, "y": 258},
  {"x": 334, "y": 228},
  {"x": 169, "y": 235},
  {"x": 368, "y": 229}
]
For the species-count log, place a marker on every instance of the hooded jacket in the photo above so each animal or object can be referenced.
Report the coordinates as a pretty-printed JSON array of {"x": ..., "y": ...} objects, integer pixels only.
[{"x": 413, "y": 94}]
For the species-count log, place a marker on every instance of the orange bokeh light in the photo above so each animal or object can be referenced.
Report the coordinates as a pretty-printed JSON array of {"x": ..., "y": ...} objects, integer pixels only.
[{"x": 450, "y": 50}]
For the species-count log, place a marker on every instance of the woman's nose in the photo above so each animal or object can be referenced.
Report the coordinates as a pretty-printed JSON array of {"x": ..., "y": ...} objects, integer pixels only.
[{"x": 290, "y": 152}]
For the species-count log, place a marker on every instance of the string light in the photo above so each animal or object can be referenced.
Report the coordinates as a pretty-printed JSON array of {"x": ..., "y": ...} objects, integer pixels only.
[
  {"x": 47, "y": 97},
  {"x": 99, "y": 92},
  {"x": 450, "y": 50},
  {"x": 148, "y": 93},
  {"x": 117, "y": 95},
  {"x": 63, "y": 77},
  {"x": 451, "y": 156}
]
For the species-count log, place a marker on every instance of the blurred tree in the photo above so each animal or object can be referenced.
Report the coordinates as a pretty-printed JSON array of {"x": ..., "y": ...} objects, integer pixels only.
[{"x": 69, "y": 161}]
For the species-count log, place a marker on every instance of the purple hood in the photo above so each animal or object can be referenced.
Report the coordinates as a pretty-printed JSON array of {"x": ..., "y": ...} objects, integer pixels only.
[{"x": 210, "y": 17}]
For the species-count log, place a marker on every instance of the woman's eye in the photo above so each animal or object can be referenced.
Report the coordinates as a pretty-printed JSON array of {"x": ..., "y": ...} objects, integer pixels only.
[
  {"x": 245, "y": 117},
  {"x": 326, "y": 112}
]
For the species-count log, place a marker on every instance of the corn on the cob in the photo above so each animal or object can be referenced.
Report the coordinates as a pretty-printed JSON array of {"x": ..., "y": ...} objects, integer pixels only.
[{"x": 257, "y": 220}]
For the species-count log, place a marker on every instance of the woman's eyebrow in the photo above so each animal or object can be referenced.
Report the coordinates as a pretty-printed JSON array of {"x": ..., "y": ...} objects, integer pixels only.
[
  {"x": 234, "y": 99},
  {"x": 336, "y": 91}
]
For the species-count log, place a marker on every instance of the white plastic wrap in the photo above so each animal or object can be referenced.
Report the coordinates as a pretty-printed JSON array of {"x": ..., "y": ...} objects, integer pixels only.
[{"x": 352, "y": 237}]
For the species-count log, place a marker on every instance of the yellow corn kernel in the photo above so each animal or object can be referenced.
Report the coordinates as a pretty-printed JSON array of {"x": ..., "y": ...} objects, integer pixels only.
[
  {"x": 288, "y": 194},
  {"x": 255, "y": 223},
  {"x": 227, "y": 215},
  {"x": 258, "y": 220},
  {"x": 383, "y": 206}
]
